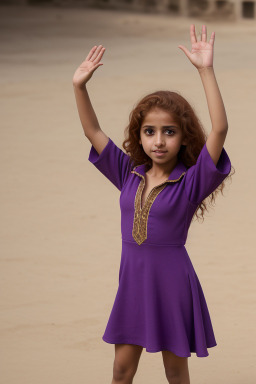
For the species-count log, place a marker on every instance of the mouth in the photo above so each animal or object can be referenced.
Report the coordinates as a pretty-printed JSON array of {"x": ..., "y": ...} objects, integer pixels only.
[{"x": 159, "y": 153}]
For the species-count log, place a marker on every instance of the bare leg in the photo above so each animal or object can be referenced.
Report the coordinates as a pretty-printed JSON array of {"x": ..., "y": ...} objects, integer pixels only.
[
  {"x": 176, "y": 368},
  {"x": 126, "y": 362}
]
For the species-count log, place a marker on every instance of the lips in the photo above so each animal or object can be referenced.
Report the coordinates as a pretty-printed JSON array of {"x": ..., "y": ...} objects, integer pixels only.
[{"x": 160, "y": 151}]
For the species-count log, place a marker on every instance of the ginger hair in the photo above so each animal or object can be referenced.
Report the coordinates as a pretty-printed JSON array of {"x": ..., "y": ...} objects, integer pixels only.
[{"x": 192, "y": 129}]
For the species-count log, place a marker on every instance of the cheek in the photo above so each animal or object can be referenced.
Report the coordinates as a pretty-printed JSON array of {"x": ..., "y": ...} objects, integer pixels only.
[
  {"x": 147, "y": 141},
  {"x": 173, "y": 141}
]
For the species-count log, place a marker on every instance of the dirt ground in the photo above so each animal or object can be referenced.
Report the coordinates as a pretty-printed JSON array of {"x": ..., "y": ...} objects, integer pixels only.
[{"x": 60, "y": 230}]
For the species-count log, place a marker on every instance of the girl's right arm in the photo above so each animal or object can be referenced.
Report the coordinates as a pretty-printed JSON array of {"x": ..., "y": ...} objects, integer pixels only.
[{"x": 86, "y": 112}]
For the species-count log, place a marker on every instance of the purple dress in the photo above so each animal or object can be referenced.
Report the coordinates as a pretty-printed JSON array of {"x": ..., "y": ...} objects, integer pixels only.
[{"x": 159, "y": 303}]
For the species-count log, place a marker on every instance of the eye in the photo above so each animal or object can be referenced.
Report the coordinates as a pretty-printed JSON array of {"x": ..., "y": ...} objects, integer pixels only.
[
  {"x": 148, "y": 129},
  {"x": 170, "y": 130}
]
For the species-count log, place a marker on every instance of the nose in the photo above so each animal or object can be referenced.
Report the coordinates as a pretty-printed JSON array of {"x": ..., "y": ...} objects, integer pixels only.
[{"x": 159, "y": 141}]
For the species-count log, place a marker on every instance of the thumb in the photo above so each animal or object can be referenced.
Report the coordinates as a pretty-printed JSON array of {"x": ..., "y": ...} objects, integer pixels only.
[{"x": 185, "y": 50}]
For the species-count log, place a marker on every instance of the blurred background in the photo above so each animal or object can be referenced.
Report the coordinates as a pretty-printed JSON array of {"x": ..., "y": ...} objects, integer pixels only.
[
  {"x": 221, "y": 8},
  {"x": 60, "y": 218}
]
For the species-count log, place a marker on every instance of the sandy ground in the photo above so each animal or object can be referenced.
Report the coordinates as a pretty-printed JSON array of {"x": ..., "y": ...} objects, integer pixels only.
[{"x": 60, "y": 230}]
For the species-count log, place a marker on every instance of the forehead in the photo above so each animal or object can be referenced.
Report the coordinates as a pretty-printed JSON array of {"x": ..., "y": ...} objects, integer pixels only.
[{"x": 158, "y": 115}]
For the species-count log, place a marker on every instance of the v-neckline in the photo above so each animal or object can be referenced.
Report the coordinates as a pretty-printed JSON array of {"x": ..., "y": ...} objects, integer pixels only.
[
  {"x": 148, "y": 196},
  {"x": 139, "y": 231},
  {"x": 143, "y": 181},
  {"x": 141, "y": 214},
  {"x": 142, "y": 173}
]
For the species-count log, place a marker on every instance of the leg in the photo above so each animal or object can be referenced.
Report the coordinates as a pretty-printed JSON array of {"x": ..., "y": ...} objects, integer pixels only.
[
  {"x": 126, "y": 362},
  {"x": 176, "y": 368}
]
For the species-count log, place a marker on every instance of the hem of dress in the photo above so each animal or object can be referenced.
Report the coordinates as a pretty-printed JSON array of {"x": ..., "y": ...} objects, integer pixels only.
[{"x": 173, "y": 350}]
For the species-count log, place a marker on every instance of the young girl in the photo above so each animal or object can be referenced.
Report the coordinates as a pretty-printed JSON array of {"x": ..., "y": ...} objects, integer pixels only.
[{"x": 170, "y": 167}]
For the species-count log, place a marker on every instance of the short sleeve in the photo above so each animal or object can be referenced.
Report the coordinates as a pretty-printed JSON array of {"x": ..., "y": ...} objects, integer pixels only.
[
  {"x": 112, "y": 162},
  {"x": 204, "y": 177}
]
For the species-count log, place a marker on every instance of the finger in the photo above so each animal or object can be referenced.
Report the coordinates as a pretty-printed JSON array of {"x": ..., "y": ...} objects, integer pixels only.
[
  {"x": 98, "y": 58},
  {"x": 96, "y": 52},
  {"x": 211, "y": 41},
  {"x": 95, "y": 67},
  {"x": 204, "y": 33},
  {"x": 192, "y": 34},
  {"x": 185, "y": 50},
  {"x": 91, "y": 52}
]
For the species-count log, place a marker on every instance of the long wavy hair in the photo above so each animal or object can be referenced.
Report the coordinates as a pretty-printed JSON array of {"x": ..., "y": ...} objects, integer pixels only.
[{"x": 193, "y": 131}]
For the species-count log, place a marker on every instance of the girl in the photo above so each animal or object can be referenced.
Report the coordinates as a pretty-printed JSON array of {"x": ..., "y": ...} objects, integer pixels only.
[{"x": 169, "y": 169}]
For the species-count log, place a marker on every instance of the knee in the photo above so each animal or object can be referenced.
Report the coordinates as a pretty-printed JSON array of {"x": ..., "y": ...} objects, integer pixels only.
[
  {"x": 173, "y": 376},
  {"x": 122, "y": 372}
]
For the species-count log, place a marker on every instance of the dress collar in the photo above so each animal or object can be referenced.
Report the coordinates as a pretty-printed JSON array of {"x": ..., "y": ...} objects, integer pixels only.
[{"x": 179, "y": 170}]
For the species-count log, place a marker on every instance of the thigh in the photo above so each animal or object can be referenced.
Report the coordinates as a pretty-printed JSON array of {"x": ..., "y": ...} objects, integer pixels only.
[
  {"x": 127, "y": 356},
  {"x": 175, "y": 365}
]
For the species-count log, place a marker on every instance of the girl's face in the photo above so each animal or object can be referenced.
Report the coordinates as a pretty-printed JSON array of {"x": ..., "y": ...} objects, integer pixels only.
[{"x": 159, "y": 131}]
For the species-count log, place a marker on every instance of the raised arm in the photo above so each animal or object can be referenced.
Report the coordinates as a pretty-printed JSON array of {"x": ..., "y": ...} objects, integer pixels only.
[
  {"x": 86, "y": 112},
  {"x": 201, "y": 56}
]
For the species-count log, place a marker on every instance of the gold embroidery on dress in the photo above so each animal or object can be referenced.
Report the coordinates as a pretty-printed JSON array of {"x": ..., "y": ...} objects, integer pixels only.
[{"x": 140, "y": 221}]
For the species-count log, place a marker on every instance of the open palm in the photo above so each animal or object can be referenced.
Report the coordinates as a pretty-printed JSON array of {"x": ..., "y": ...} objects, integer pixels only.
[
  {"x": 201, "y": 54},
  {"x": 85, "y": 70}
]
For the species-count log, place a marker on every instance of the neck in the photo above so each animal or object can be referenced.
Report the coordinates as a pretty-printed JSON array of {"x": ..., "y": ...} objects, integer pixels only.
[{"x": 162, "y": 170}]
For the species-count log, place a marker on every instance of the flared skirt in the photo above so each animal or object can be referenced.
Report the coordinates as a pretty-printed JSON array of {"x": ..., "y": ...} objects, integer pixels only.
[{"x": 160, "y": 304}]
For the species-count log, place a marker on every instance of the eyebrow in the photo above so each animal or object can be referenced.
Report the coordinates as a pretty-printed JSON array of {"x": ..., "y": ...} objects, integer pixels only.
[{"x": 164, "y": 126}]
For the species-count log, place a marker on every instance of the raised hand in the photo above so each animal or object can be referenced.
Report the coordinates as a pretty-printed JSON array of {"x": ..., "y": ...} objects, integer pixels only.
[
  {"x": 85, "y": 71},
  {"x": 201, "y": 55}
]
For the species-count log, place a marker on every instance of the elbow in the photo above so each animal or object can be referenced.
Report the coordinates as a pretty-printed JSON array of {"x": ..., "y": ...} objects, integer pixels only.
[
  {"x": 221, "y": 129},
  {"x": 224, "y": 129}
]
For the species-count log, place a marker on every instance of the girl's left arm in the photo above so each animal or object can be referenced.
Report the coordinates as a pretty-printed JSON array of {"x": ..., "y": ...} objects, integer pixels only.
[{"x": 201, "y": 56}]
